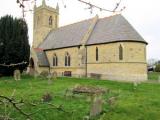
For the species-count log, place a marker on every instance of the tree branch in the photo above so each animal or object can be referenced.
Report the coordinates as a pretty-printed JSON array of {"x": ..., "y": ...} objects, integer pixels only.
[
  {"x": 91, "y": 6},
  {"x": 12, "y": 65},
  {"x": 28, "y": 115}
]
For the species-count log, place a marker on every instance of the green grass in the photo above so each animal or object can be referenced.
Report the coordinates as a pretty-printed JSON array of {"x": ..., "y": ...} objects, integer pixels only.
[
  {"x": 142, "y": 103},
  {"x": 153, "y": 75}
]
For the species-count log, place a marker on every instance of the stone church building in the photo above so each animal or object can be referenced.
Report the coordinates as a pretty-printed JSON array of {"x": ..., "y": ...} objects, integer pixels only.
[{"x": 106, "y": 48}]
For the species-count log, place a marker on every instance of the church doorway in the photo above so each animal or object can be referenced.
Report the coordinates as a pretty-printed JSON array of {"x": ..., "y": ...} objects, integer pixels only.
[
  {"x": 31, "y": 63},
  {"x": 31, "y": 66}
]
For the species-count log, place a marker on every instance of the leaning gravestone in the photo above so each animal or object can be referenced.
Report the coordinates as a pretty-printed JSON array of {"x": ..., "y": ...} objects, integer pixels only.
[{"x": 17, "y": 74}]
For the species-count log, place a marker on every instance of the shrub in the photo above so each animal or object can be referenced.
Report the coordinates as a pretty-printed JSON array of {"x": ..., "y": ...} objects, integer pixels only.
[
  {"x": 44, "y": 73},
  {"x": 157, "y": 69},
  {"x": 47, "y": 97}
]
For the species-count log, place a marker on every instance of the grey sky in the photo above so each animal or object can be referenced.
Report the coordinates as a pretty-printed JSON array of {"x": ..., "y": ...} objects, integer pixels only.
[{"x": 142, "y": 14}]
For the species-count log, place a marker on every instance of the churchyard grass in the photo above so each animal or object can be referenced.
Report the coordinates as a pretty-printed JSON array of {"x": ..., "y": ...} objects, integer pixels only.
[
  {"x": 154, "y": 75},
  {"x": 133, "y": 103}
]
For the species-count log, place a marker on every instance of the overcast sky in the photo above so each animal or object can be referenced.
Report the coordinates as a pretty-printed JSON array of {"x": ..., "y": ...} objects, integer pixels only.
[{"x": 142, "y": 14}]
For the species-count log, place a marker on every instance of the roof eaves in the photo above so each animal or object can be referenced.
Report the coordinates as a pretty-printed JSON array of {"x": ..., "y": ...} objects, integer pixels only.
[{"x": 117, "y": 42}]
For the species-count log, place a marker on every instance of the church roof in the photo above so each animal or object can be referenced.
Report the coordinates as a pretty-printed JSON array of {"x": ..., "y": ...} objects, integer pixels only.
[
  {"x": 106, "y": 30},
  {"x": 42, "y": 58},
  {"x": 70, "y": 35}
]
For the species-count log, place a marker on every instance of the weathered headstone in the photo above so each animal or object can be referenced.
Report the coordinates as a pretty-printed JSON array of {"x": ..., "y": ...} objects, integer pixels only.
[
  {"x": 49, "y": 78},
  {"x": 96, "y": 105},
  {"x": 36, "y": 74},
  {"x": 96, "y": 98},
  {"x": 17, "y": 74},
  {"x": 54, "y": 75},
  {"x": 112, "y": 100}
]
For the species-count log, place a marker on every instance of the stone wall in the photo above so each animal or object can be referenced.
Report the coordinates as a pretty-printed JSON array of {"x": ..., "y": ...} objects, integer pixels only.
[
  {"x": 132, "y": 52},
  {"x": 119, "y": 71},
  {"x": 109, "y": 66},
  {"x": 132, "y": 67},
  {"x": 75, "y": 67}
]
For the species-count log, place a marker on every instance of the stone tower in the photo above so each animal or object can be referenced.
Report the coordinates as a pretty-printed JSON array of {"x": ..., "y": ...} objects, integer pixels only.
[{"x": 45, "y": 19}]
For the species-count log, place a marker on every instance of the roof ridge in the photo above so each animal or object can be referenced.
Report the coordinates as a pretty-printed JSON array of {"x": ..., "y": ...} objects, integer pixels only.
[
  {"x": 111, "y": 16},
  {"x": 87, "y": 20},
  {"x": 75, "y": 23}
]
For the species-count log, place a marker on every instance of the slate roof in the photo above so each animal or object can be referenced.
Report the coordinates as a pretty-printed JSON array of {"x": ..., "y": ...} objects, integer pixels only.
[
  {"x": 70, "y": 35},
  {"x": 108, "y": 29},
  {"x": 112, "y": 29},
  {"x": 42, "y": 58}
]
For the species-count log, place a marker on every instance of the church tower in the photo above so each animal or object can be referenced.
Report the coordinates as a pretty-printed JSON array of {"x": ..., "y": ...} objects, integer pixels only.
[{"x": 45, "y": 19}]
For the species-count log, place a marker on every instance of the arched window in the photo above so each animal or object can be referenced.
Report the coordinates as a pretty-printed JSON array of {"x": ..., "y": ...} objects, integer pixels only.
[
  {"x": 50, "y": 20},
  {"x": 55, "y": 60},
  {"x": 120, "y": 52},
  {"x": 96, "y": 54},
  {"x": 67, "y": 59}
]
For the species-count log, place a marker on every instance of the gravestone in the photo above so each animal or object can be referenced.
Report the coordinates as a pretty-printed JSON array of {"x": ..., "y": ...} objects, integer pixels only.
[
  {"x": 17, "y": 74},
  {"x": 36, "y": 74},
  {"x": 112, "y": 100},
  {"x": 96, "y": 105},
  {"x": 96, "y": 98},
  {"x": 49, "y": 78},
  {"x": 54, "y": 75}
]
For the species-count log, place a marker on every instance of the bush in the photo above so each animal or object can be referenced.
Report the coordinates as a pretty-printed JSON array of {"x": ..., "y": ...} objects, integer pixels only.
[
  {"x": 47, "y": 97},
  {"x": 157, "y": 69},
  {"x": 44, "y": 73}
]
